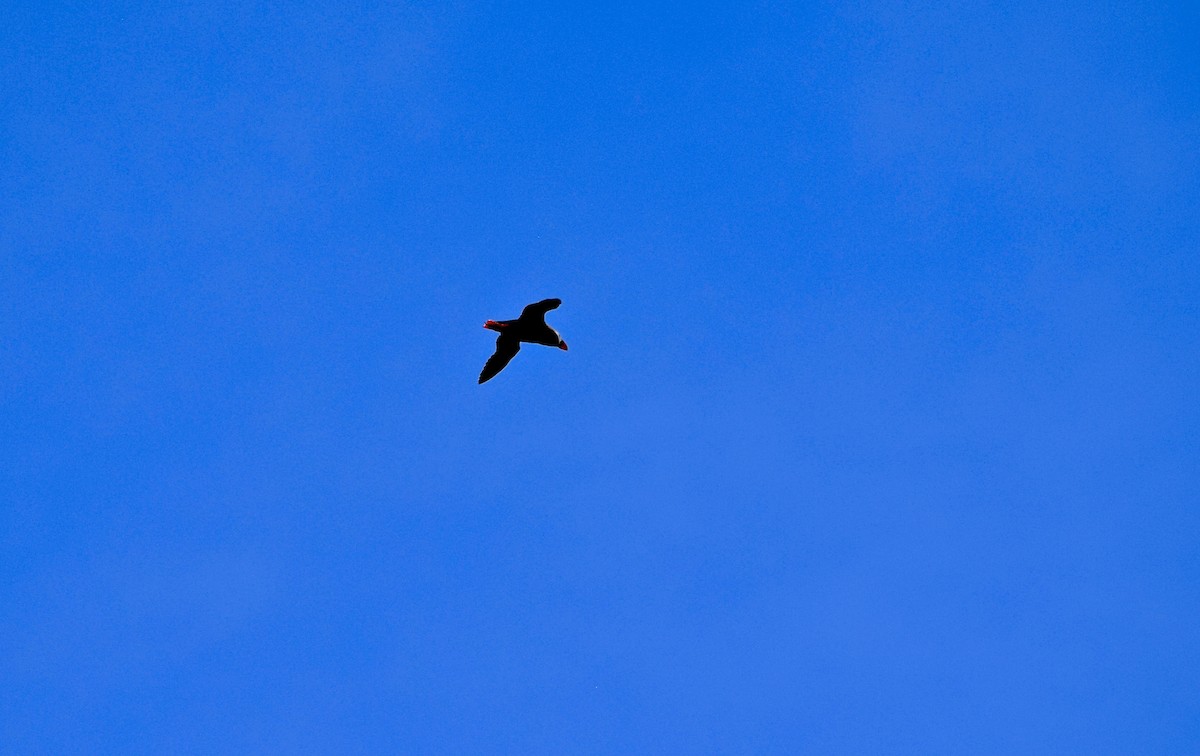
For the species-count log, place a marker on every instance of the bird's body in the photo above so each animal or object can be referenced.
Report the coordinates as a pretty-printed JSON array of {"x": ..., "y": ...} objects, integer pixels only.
[{"x": 530, "y": 328}]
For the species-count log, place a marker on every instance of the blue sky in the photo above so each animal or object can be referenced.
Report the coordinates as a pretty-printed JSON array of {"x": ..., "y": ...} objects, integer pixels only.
[{"x": 877, "y": 434}]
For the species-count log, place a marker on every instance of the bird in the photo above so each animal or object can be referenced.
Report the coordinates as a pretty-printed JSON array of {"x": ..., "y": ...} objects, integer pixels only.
[{"x": 530, "y": 328}]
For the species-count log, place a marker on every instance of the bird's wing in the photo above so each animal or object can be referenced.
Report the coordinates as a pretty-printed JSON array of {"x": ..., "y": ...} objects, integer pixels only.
[
  {"x": 506, "y": 348},
  {"x": 539, "y": 309}
]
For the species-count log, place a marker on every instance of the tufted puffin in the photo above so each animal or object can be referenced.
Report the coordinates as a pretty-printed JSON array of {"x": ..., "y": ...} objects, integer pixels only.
[{"x": 530, "y": 328}]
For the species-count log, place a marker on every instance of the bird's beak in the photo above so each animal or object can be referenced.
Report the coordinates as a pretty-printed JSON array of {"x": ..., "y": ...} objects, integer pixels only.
[{"x": 562, "y": 345}]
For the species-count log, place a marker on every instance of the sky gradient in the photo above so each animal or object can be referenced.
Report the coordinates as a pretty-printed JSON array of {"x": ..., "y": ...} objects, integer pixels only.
[{"x": 878, "y": 432}]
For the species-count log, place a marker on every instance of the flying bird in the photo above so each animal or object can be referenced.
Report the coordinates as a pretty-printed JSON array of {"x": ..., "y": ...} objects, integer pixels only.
[{"x": 530, "y": 328}]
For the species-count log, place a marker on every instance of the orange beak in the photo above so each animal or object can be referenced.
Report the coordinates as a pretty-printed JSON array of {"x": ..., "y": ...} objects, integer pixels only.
[{"x": 562, "y": 345}]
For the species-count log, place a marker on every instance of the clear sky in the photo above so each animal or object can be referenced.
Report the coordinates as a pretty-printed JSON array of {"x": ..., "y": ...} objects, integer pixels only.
[{"x": 878, "y": 432}]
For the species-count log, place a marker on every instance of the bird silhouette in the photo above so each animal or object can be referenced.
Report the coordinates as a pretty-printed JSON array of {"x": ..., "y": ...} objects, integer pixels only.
[{"x": 530, "y": 328}]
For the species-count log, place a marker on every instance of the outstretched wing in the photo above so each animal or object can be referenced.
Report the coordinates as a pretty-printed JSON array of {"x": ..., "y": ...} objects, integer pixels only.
[
  {"x": 539, "y": 309},
  {"x": 506, "y": 348}
]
